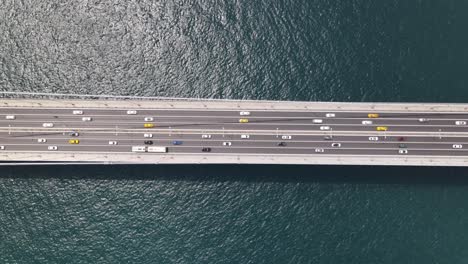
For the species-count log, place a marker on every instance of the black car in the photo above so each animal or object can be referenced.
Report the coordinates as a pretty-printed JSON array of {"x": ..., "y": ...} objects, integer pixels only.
[
  {"x": 148, "y": 142},
  {"x": 281, "y": 144},
  {"x": 74, "y": 134},
  {"x": 206, "y": 149}
]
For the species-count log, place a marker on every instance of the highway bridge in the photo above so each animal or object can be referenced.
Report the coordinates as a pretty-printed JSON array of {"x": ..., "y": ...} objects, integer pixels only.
[{"x": 232, "y": 132}]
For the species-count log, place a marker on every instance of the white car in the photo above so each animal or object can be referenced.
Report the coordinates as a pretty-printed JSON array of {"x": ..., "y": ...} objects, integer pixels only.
[
  {"x": 330, "y": 115},
  {"x": 227, "y": 143},
  {"x": 460, "y": 123},
  {"x": 77, "y": 112},
  {"x": 336, "y": 145},
  {"x": 41, "y": 140},
  {"x": 403, "y": 151},
  {"x": 245, "y": 136},
  {"x": 366, "y": 122},
  {"x": 206, "y": 136},
  {"x": 457, "y": 146},
  {"x": 149, "y": 118},
  {"x": 244, "y": 113},
  {"x": 286, "y": 137},
  {"x": 48, "y": 125},
  {"x": 148, "y": 135},
  {"x": 2, "y": 147},
  {"x": 423, "y": 120},
  {"x": 87, "y": 119},
  {"x": 131, "y": 112},
  {"x": 52, "y": 147},
  {"x": 373, "y": 138},
  {"x": 112, "y": 142},
  {"x": 324, "y": 128},
  {"x": 317, "y": 121},
  {"x": 10, "y": 117},
  {"x": 319, "y": 150}
]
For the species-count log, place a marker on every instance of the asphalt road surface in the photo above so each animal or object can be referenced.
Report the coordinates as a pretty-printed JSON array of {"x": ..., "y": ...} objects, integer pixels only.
[{"x": 262, "y": 132}]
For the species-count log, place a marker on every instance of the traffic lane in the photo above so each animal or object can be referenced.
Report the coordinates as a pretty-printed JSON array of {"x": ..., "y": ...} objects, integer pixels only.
[
  {"x": 227, "y": 112},
  {"x": 237, "y": 150},
  {"x": 117, "y": 119},
  {"x": 115, "y": 135},
  {"x": 237, "y": 143},
  {"x": 242, "y": 126}
]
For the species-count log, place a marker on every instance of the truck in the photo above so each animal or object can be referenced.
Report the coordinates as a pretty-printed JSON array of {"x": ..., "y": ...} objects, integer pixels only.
[
  {"x": 157, "y": 149},
  {"x": 138, "y": 148}
]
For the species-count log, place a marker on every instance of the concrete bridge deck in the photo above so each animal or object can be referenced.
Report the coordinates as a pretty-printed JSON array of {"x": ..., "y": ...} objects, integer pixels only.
[{"x": 278, "y": 132}]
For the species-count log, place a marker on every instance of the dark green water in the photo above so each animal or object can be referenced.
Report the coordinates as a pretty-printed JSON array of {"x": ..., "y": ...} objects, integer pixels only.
[{"x": 283, "y": 50}]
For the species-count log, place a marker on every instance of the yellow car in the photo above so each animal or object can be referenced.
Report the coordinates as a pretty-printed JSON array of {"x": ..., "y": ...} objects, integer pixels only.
[
  {"x": 243, "y": 120},
  {"x": 148, "y": 125},
  {"x": 372, "y": 115},
  {"x": 74, "y": 141},
  {"x": 382, "y": 128}
]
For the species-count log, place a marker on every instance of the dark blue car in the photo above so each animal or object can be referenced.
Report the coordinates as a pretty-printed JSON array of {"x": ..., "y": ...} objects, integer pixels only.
[{"x": 177, "y": 142}]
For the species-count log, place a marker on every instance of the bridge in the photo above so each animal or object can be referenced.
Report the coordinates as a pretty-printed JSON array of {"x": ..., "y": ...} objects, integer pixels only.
[{"x": 191, "y": 131}]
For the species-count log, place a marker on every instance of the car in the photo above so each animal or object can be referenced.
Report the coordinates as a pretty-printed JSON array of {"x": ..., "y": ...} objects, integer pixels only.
[
  {"x": 244, "y": 113},
  {"x": 149, "y": 118},
  {"x": 402, "y": 151},
  {"x": 148, "y": 135},
  {"x": 148, "y": 142},
  {"x": 245, "y": 136},
  {"x": 381, "y": 128},
  {"x": 319, "y": 150},
  {"x": 372, "y": 115},
  {"x": 423, "y": 120},
  {"x": 148, "y": 125},
  {"x": 77, "y": 112},
  {"x": 48, "y": 125},
  {"x": 317, "y": 121},
  {"x": 2, "y": 147},
  {"x": 281, "y": 144},
  {"x": 74, "y": 134},
  {"x": 286, "y": 137},
  {"x": 460, "y": 123},
  {"x": 206, "y": 136},
  {"x": 328, "y": 137},
  {"x": 324, "y": 128},
  {"x": 132, "y": 112},
  {"x": 10, "y": 117},
  {"x": 112, "y": 142},
  {"x": 373, "y": 138},
  {"x": 330, "y": 115},
  {"x": 74, "y": 141},
  {"x": 41, "y": 140},
  {"x": 206, "y": 149},
  {"x": 87, "y": 119},
  {"x": 226, "y": 143},
  {"x": 457, "y": 146},
  {"x": 367, "y": 122},
  {"x": 402, "y": 146},
  {"x": 336, "y": 145},
  {"x": 401, "y": 138},
  {"x": 52, "y": 148},
  {"x": 177, "y": 142},
  {"x": 243, "y": 120}
]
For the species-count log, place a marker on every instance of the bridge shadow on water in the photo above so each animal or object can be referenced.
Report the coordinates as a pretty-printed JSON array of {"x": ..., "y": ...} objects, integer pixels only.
[{"x": 248, "y": 173}]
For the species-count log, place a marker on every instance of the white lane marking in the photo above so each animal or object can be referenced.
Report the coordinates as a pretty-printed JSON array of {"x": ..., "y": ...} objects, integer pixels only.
[
  {"x": 111, "y": 125},
  {"x": 252, "y": 141},
  {"x": 158, "y": 116},
  {"x": 232, "y": 131},
  {"x": 233, "y": 147}
]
